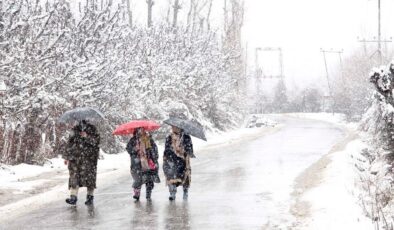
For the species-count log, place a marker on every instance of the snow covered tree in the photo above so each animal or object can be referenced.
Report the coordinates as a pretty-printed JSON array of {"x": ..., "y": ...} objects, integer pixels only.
[
  {"x": 53, "y": 60},
  {"x": 380, "y": 117},
  {"x": 33, "y": 40},
  {"x": 377, "y": 171},
  {"x": 351, "y": 91},
  {"x": 280, "y": 100}
]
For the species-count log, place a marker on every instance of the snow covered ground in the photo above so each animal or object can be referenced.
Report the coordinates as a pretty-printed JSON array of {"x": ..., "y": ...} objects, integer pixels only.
[
  {"x": 329, "y": 189},
  {"x": 334, "y": 203}
]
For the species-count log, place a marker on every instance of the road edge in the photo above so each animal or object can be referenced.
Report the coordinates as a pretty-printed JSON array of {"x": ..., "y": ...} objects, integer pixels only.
[{"x": 312, "y": 176}]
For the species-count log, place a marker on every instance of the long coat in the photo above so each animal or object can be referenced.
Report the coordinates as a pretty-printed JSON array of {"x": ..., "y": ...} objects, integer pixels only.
[
  {"x": 140, "y": 176},
  {"x": 82, "y": 154},
  {"x": 176, "y": 169}
]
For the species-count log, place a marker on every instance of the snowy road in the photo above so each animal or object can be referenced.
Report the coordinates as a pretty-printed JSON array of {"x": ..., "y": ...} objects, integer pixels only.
[{"x": 239, "y": 186}]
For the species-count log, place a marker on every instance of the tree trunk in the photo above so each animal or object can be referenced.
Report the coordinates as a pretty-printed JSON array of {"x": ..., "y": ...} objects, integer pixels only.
[
  {"x": 194, "y": 16},
  {"x": 169, "y": 12},
  {"x": 189, "y": 14},
  {"x": 176, "y": 9},
  {"x": 130, "y": 13},
  {"x": 225, "y": 15},
  {"x": 209, "y": 15},
  {"x": 150, "y": 6}
]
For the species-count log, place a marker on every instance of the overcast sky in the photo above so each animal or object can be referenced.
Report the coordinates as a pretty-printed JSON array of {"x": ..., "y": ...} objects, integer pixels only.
[{"x": 302, "y": 27}]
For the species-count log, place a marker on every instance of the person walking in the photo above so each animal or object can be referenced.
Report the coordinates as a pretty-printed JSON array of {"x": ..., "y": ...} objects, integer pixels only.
[
  {"x": 81, "y": 157},
  {"x": 176, "y": 162},
  {"x": 144, "y": 166}
]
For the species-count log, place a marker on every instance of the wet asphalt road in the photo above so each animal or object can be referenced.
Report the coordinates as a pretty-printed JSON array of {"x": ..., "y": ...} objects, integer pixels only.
[{"x": 239, "y": 186}]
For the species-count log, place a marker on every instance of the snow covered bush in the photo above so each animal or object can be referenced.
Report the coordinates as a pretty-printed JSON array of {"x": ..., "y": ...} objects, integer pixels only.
[
  {"x": 351, "y": 92},
  {"x": 376, "y": 164}
]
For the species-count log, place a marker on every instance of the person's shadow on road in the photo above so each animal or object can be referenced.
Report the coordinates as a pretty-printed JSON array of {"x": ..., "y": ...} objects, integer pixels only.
[{"x": 177, "y": 216}]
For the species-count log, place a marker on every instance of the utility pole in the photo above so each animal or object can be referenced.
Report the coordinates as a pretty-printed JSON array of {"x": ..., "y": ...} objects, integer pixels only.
[
  {"x": 379, "y": 50},
  {"x": 328, "y": 78},
  {"x": 258, "y": 75},
  {"x": 339, "y": 52},
  {"x": 364, "y": 45},
  {"x": 379, "y": 40},
  {"x": 326, "y": 67},
  {"x": 341, "y": 65},
  {"x": 279, "y": 50},
  {"x": 281, "y": 62}
]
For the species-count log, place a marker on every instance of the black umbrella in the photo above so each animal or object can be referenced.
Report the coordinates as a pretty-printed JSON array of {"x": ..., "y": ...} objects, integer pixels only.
[
  {"x": 189, "y": 127},
  {"x": 79, "y": 114}
]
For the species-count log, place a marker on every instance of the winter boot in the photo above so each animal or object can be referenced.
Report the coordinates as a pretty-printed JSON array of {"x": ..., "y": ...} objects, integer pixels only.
[
  {"x": 148, "y": 194},
  {"x": 89, "y": 200},
  {"x": 136, "y": 195},
  {"x": 172, "y": 189},
  {"x": 185, "y": 193},
  {"x": 72, "y": 200}
]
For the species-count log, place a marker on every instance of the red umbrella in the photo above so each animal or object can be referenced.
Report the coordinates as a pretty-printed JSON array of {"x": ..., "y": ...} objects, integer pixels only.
[{"x": 128, "y": 128}]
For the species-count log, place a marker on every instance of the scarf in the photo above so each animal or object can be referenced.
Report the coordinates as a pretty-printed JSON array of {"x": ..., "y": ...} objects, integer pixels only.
[
  {"x": 143, "y": 144},
  {"x": 179, "y": 149},
  {"x": 177, "y": 145}
]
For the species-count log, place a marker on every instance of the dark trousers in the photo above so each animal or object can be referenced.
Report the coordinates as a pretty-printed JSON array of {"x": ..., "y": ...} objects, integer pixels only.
[{"x": 138, "y": 182}]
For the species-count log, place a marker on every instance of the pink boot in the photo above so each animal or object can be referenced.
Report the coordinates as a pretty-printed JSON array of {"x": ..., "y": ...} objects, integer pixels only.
[{"x": 136, "y": 195}]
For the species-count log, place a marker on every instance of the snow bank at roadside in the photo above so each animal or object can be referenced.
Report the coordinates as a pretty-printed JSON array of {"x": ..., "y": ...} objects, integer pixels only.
[
  {"x": 12, "y": 177},
  {"x": 334, "y": 203},
  {"x": 22, "y": 177}
]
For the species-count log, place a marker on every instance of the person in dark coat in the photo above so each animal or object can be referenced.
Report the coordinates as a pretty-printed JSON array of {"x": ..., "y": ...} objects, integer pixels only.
[
  {"x": 144, "y": 166},
  {"x": 176, "y": 162},
  {"x": 81, "y": 156}
]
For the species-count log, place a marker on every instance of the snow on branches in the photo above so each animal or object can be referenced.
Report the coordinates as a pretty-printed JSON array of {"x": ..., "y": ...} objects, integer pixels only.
[
  {"x": 377, "y": 172},
  {"x": 52, "y": 60}
]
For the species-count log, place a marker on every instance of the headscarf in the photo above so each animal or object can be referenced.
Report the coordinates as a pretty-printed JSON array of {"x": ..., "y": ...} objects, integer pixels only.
[{"x": 177, "y": 145}]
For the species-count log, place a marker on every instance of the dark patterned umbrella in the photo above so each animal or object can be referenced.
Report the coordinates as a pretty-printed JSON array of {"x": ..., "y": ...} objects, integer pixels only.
[
  {"x": 189, "y": 127},
  {"x": 79, "y": 114}
]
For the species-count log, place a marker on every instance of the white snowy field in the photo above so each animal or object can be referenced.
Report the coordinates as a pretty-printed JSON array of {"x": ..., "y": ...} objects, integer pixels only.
[{"x": 324, "y": 196}]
